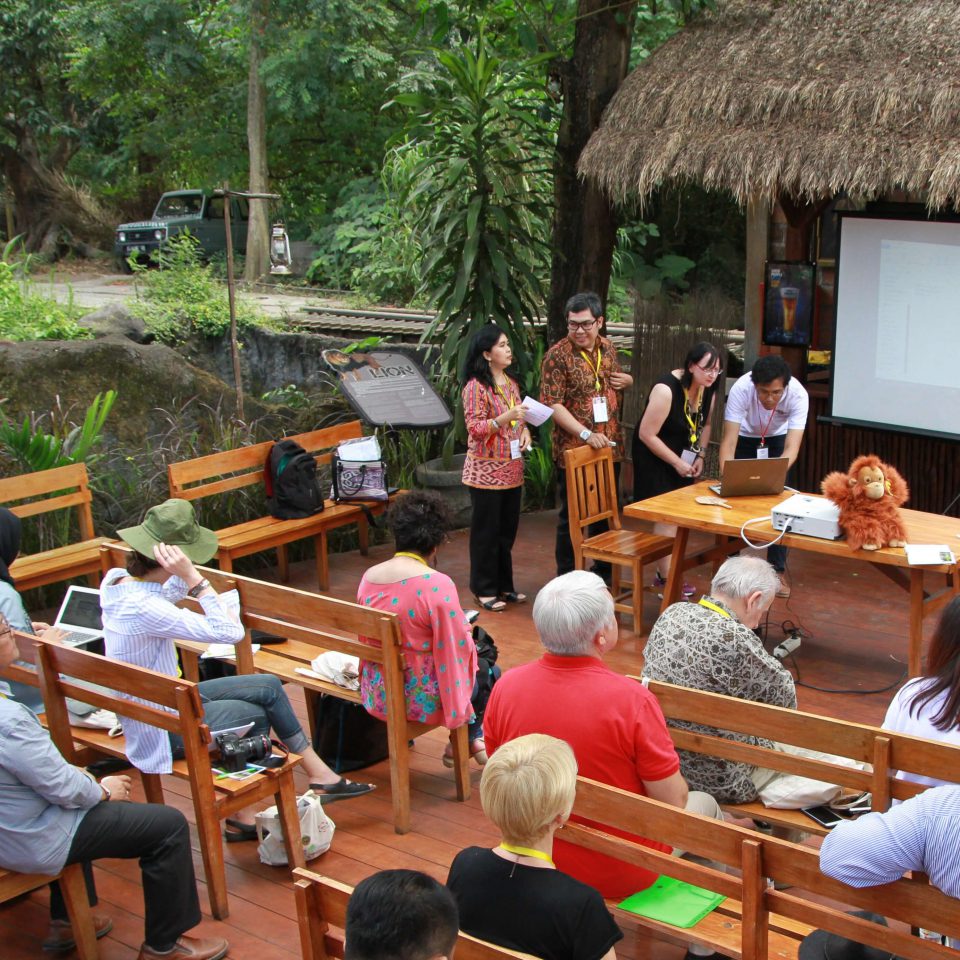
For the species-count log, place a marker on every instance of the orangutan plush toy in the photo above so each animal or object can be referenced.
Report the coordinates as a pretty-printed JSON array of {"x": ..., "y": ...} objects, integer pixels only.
[{"x": 868, "y": 495}]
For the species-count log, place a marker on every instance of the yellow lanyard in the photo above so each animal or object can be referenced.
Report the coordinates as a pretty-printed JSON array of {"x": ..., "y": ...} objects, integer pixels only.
[
  {"x": 411, "y": 556},
  {"x": 710, "y": 605},
  {"x": 695, "y": 425},
  {"x": 506, "y": 399},
  {"x": 527, "y": 852},
  {"x": 595, "y": 367}
]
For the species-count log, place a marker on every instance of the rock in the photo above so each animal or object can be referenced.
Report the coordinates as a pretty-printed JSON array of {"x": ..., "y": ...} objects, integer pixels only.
[
  {"x": 448, "y": 482},
  {"x": 115, "y": 320}
]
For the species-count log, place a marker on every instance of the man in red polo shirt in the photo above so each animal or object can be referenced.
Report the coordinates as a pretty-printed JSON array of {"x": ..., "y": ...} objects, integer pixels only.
[{"x": 613, "y": 723}]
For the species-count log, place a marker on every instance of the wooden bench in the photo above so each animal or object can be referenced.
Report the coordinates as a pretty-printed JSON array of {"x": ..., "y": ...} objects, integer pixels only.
[
  {"x": 44, "y": 492},
  {"x": 322, "y": 902},
  {"x": 757, "y": 921},
  {"x": 219, "y": 473},
  {"x": 58, "y": 670},
  {"x": 74, "y": 890},
  {"x": 312, "y": 624},
  {"x": 882, "y": 752}
]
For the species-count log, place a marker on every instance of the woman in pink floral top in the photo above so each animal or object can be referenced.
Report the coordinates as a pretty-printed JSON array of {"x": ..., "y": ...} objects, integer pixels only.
[
  {"x": 493, "y": 472},
  {"x": 440, "y": 658}
]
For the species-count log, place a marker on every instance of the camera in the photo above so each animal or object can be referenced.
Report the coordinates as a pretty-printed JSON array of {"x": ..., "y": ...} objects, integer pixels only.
[{"x": 236, "y": 752}]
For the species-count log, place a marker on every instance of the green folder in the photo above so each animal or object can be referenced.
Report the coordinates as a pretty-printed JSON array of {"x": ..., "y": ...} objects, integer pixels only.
[{"x": 673, "y": 901}]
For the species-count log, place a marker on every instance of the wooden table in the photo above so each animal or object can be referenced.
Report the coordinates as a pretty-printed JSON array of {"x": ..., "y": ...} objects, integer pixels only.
[{"x": 680, "y": 508}]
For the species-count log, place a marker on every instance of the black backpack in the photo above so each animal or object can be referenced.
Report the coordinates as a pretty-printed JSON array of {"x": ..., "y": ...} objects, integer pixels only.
[{"x": 291, "y": 482}]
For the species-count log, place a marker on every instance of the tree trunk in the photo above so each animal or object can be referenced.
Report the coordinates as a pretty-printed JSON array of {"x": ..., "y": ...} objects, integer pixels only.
[
  {"x": 258, "y": 228},
  {"x": 584, "y": 221}
]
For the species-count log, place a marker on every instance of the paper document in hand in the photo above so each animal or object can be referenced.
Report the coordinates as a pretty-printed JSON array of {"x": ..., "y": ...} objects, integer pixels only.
[
  {"x": 923, "y": 554},
  {"x": 537, "y": 412},
  {"x": 224, "y": 651}
]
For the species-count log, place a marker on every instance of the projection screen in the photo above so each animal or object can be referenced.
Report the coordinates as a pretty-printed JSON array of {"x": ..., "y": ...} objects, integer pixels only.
[{"x": 896, "y": 358}]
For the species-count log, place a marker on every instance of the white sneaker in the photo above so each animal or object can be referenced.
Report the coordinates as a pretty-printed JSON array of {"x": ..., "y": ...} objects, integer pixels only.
[{"x": 99, "y": 720}]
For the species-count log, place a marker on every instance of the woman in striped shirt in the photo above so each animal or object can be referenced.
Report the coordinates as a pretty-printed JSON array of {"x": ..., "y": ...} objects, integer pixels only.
[
  {"x": 141, "y": 621},
  {"x": 493, "y": 471}
]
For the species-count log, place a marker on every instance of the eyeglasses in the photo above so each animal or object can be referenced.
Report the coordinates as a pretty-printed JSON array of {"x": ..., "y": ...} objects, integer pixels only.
[
  {"x": 575, "y": 325},
  {"x": 709, "y": 371},
  {"x": 771, "y": 394}
]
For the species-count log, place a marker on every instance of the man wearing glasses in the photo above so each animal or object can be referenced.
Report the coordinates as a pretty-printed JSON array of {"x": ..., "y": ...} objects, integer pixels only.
[
  {"x": 765, "y": 416},
  {"x": 582, "y": 381}
]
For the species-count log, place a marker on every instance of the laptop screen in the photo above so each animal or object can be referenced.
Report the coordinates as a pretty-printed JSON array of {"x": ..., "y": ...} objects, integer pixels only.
[{"x": 82, "y": 609}]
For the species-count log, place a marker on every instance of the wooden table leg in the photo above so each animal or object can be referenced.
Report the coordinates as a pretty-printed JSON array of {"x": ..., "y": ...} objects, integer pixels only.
[
  {"x": 916, "y": 622},
  {"x": 671, "y": 591}
]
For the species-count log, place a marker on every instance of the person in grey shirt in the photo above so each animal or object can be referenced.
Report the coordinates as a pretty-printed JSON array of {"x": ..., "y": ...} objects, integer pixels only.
[{"x": 53, "y": 814}]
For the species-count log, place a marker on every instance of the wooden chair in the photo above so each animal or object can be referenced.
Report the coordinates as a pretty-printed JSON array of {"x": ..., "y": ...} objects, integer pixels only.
[
  {"x": 47, "y": 491},
  {"x": 592, "y": 498},
  {"x": 312, "y": 624},
  {"x": 74, "y": 890},
  {"x": 322, "y": 902},
  {"x": 173, "y": 705}
]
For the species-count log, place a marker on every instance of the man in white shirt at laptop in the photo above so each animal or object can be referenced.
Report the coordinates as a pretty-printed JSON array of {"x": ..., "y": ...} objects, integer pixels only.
[{"x": 765, "y": 416}]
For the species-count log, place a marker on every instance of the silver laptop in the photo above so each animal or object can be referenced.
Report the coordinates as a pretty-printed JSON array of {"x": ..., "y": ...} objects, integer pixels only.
[
  {"x": 79, "y": 616},
  {"x": 752, "y": 478}
]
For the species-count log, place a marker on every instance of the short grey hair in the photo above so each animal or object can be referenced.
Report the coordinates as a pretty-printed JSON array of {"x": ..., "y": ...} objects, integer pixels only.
[
  {"x": 570, "y": 611},
  {"x": 738, "y": 577}
]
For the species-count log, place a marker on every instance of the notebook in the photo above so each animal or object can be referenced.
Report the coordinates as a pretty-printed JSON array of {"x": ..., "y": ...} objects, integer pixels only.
[
  {"x": 79, "y": 616},
  {"x": 752, "y": 478}
]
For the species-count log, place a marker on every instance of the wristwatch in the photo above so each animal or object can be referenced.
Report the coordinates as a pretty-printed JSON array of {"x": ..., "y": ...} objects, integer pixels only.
[
  {"x": 585, "y": 434},
  {"x": 106, "y": 792},
  {"x": 198, "y": 588}
]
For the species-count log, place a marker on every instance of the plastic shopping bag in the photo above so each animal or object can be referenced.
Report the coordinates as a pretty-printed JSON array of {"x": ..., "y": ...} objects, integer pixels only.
[{"x": 316, "y": 831}]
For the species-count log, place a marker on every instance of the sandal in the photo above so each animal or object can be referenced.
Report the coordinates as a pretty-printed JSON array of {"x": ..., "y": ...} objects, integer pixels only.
[
  {"x": 238, "y": 831},
  {"x": 513, "y": 597},
  {"x": 478, "y": 750},
  {"x": 494, "y": 604},
  {"x": 343, "y": 789}
]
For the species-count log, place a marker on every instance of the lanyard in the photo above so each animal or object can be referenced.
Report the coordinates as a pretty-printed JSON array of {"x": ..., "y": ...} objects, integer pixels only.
[
  {"x": 764, "y": 427},
  {"x": 527, "y": 852},
  {"x": 506, "y": 398},
  {"x": 710, "y": 605},
  {"x": 695, "y": 425},
  {"x": 412, "y": 556},
  {"x": 595, "y": 367}
]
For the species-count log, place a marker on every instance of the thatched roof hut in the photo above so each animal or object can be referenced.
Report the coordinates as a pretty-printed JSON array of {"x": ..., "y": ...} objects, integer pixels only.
[{"x": 793, "y": 98}]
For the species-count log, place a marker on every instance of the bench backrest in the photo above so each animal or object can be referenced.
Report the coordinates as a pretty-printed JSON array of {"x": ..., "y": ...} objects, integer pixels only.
[
  {"x": 47, "y": 490},
  {"x": 322, "y": 902},
  {"x": 233, "y": 469},
  {"x": 758, "y": 857},
  {"x": 884, "y": 750}
]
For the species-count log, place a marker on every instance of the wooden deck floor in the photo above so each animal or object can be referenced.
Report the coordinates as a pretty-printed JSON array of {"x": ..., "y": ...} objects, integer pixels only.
[{"x": 855, "y": 624}]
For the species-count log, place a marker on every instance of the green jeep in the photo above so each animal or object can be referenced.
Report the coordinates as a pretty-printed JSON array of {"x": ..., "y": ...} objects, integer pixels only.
[{"x": 179, "y": 211}]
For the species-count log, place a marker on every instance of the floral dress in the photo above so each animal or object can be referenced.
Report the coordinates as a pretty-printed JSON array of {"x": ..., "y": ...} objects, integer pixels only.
[{"x": 439, "y": 656}]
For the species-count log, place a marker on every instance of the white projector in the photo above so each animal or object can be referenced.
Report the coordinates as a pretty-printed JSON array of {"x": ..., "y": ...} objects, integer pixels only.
[{"x": 810, "y": 516}]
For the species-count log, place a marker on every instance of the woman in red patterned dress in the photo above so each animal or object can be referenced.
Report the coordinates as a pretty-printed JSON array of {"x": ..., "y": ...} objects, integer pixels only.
[{"x": 497, "y": 436}]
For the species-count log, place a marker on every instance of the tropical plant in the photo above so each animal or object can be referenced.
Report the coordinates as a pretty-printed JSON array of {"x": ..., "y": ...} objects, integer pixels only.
[
  {"x": 26, "y": 314},
  {"x": 32, "y": 448},
  {"x": 480, "y": 194},
  {"x": 183, "y": 297}
]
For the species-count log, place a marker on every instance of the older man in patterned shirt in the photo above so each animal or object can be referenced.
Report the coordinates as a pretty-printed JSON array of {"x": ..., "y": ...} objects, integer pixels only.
[
  {"x": 582, "y": 381},
  {"x": 711, "y": 646}
]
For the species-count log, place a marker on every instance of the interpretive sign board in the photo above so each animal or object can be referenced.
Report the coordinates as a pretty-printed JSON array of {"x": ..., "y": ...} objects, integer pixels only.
[{"x": 388, "y": 389}]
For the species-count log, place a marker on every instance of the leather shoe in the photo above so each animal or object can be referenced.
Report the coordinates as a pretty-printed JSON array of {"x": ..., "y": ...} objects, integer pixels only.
[
  {"x": 189, "y": 948},
  {"x": 60, "y": 935}
]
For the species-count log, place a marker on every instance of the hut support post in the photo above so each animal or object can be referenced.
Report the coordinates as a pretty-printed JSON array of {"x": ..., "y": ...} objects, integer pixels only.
[{"x": 758, "y": 232}]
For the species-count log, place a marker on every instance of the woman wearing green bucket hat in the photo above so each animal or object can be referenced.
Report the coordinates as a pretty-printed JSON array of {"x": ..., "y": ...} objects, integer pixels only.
[{"x": 141, "y": 620}]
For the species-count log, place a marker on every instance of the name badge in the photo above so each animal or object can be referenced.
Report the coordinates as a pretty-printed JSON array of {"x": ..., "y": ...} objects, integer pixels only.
[
  {"x": 689, "y": 457},
  {"x": 600, "y": 414},
  {"x": 514, "y": 449},
  {"x": 763, "y": 453}
]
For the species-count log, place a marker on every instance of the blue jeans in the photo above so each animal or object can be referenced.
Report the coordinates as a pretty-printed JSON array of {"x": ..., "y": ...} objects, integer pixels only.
[{"x": 258, "y": 699}]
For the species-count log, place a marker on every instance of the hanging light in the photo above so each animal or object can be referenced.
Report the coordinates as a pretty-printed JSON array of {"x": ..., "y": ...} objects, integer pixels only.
[{"x": 280, "y": 259}]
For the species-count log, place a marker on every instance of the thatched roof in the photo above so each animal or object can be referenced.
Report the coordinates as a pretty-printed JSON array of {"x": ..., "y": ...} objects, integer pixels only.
[{"x": 800, "y": 96}]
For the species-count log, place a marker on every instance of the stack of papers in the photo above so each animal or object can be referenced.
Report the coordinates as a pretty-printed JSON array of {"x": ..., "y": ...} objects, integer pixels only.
[{"x": 932, "y": 554}]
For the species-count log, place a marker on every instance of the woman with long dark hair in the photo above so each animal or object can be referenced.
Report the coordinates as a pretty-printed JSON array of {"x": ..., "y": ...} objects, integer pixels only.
[
  {"x": 929, "y": 706},
  {"x": 493, "y": 471},
  {"x": 671, "y": 439}
]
